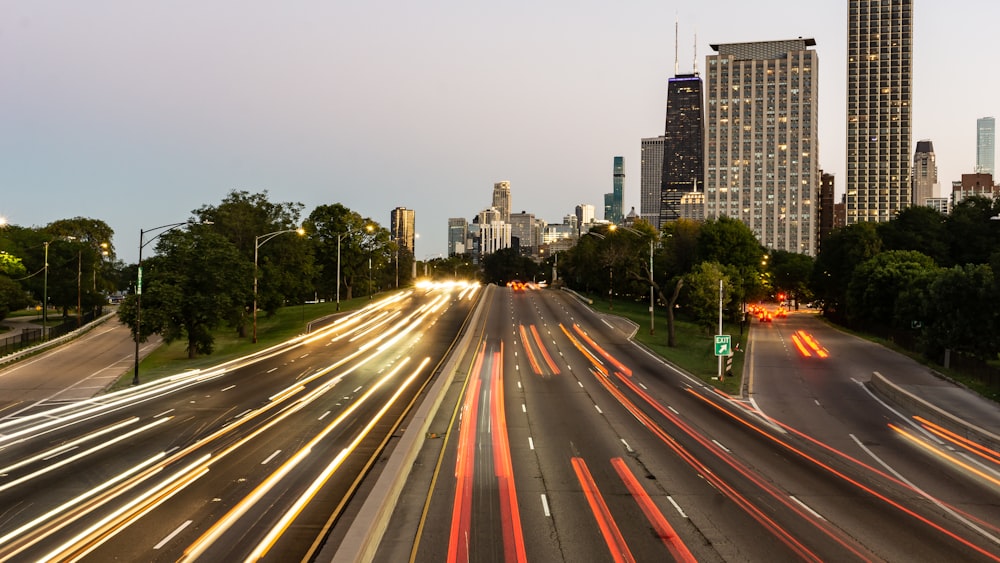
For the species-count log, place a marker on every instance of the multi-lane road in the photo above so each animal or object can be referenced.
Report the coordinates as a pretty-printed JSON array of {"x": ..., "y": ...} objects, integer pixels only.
[
  {"x": 255, "y": 459},
  {"x": 558, "y": 439},
  {"x": 569, "y": 443}
]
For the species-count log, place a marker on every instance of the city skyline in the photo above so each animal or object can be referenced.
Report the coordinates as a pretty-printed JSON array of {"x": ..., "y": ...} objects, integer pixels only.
[{"x": 137, "y": 115}]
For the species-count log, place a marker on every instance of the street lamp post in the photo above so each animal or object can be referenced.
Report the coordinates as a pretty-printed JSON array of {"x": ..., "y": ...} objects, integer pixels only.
[
  {"x": 138, "y": 286},
  {"x": 259, "y": 241},
  {"x": 339, "y": 238},
  {"x": 370, "y": 229},
  {"x": 45, "y": 295}
]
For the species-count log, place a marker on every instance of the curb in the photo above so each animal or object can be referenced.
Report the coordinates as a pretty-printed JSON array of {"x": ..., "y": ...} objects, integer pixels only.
[
  {"x": 16, "y": 356},
  {"x": 896, "y": 394}
]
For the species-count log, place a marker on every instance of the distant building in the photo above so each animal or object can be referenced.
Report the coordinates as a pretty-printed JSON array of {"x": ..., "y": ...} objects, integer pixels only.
[
  {"x": 650, "y": 174},
  {"x": 458, "y": 235},
  {"x": 401, "y": 225},
  {"x": 879, "y": 101},
  {"x": 584, "y": 216},
  {"x": 523, "y": 228},
  {"x": 501, "y": 199},
  {"x": 974, "y": 185},
  {"x": 615, "y": 212},
  {"x": 762, "y": 138},
  {"x": 692, "y": 206},
  {"x": 924, "y": 173},
  {"x": 684, "y": 144},
  {"x": 941, "y": 204},
  {"x": 986, "y": 131},
  {"x": 826, "y": 205}
]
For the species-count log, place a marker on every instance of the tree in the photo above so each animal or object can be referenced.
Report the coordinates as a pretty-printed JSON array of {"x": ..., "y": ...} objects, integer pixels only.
[
  {"x": 701, "y": 298},
  {"x": 973, "y": 236},
  {"x": 733, "y": 245},
  {"x": 842, "y": 251},
  {"x": 919, "y": 228},
  {"x": 790, "y": 274},
  {"x": 325, "y": 225},
  {"x": 284, "y": 262},
  {"x": 961, "y": 314},
  {"x": 12, "y": 297},
  {"x": 193, "y": 286},
  {"x": 507, "y": 265},
  {"x": 877, "y": 284}
]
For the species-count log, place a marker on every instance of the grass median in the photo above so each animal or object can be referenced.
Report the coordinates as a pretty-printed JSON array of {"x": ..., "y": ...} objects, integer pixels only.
[{"x": 695, "y": 349}]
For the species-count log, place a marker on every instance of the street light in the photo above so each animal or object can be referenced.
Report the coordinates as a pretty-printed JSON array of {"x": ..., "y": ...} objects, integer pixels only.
[
  {"x": 651, "y": 297},
  {"x": 45, "y": 287},
  {"x": 340, "y": 237},
  {"x": 259, "y": 241},
  {"x": 370, "y": 228},
  {"x": 138, "y": 285}
]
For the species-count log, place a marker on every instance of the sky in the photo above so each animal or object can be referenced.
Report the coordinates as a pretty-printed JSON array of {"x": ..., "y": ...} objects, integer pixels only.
[{"x": 138, "y": 113}]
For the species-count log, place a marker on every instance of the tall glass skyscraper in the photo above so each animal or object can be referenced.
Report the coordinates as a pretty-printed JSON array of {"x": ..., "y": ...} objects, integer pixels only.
[
  {"x": 986, "y": 132},
  {"x": 879, "y": 98},
  {"x": 683, "y": 146},
  {"x": 613, "y": 205}
]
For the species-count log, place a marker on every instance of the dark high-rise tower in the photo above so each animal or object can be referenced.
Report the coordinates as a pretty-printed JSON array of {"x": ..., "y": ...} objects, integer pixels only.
[
  {"x": 879, "y": 97},
  {"x": 613, "y": 205},
  {"x": 683, "y": 145}
]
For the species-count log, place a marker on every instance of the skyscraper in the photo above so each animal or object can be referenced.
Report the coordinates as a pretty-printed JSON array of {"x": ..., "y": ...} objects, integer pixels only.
[
  {"x": 650, "y": 173},
  {"x": 924, "y": 173},
  {"x": 762, "y": 136},
  {"x": 615, "y": 213},
  {"x": 986, "y": 131},
  {"x": 879, "y": 98},
  {"x": 401, "y": 225},
  {"x": 683, "y": 145},
  {"x": 501, "y": 200}
]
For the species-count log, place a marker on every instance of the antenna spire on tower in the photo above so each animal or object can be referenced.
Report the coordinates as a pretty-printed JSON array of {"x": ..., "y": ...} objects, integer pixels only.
[
  {"x": 696, "y": 51},
  {"x": 675, "y": 44}
]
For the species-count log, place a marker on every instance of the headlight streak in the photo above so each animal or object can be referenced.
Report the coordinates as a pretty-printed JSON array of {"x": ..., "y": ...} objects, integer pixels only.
[
  {"x": 9, "y": 537},
  {"x": 861, "y": 486},
  {"x": 279, "y": 528},
  {"x": 68, "y": 445},
  {"x": 964, "y": 443},
  {"x": 363, "y": 329},
  {"x": 53, "y": 466},
  {"x": 235, "y": 513},
  {"x": 128, "y": 398},
  {"x": 177, "y": 481},
  {"x": 943, "y": 456}
]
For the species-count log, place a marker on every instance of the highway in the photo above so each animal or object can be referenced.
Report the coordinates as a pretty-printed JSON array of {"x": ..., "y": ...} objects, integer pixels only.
[
  {"x": 566, "y": 442},
  {"x": 255, "y": 459}
]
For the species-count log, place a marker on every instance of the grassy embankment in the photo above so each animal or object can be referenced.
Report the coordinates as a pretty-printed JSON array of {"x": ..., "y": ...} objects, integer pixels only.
[{"x": 171, "y": 359}]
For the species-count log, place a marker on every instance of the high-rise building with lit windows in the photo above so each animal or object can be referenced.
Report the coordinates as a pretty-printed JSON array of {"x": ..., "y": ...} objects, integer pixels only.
[
  {"x": 650, "y": 173},
  {"x": 761, "y": 139},
  {"x": 683, "y": 145},
  {"x": 879, "y": 100},
  {"x": 401, "y": 225}
]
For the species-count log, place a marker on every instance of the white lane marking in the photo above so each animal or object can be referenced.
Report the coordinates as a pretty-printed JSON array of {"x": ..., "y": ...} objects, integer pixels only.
[
  {"x": 677, "y": 507},
  {"x": 224, "y": 389},
  {"x": 672, "y": 409},
  {"x": 803, "y": 505},
  {"x": 579, "y": 382},
  {"x": 271, "y": 370},
  {"x": 303, "y": 355},
  {"x": 270, "y": 457},
  {"x": 817, "y": 402},
  {"x": 163, "y": 413},
  {"x": 322, "y": 416},
  {"x": 59, "y": 453},
  {"x": 358, "y": 389},
  {"x": 524, "y": 408},
  {"x": 531, "y": 443},
  {"x": 628, "y": 448},
  {"x": 716, "y": 442},
  {"x": 179, "y": 529},
  {"x": 598, "y": 409},
  {"x": 545, "y": 505},
  {"x": 244, "y": 413},
  {"x": 902, "y": 417},
  {"x": 643, "y": 386},
  {"x": 519, "y": 385}
]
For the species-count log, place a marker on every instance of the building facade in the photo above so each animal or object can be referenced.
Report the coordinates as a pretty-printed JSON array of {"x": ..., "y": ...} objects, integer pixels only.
[
  {"x": 402, "y": 225},
  {"x": 613, "y": 206},
  {"x": 986, "y": 132},
  {"x": 650, "y": 174},
  {"x": 458, "y": 236},
  {"x": 879, "y": 101},
  {"x": 501, "y": 199},
  {"x": 974, "y": 185},
  {"x": 924, "y": 173},
  {"x": 826, "y": 202},
  {"x": 523, "y": 227},
  {"x": 683, "y": 146},
  {"x": 761, "y": 140}
]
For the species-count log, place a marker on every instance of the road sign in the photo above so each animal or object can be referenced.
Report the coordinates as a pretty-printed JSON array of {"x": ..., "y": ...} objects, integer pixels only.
[{"x": 723, "y": 345}]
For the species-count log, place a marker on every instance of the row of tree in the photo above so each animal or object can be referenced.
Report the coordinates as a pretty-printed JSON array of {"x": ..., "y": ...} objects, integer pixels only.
[
  {"x": 70, "y": 262},
  {"x": 925, "y": 274}
]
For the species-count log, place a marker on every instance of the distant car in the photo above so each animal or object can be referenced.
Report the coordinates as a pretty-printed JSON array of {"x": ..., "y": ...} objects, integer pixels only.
[{"x": 765, "y": 317}]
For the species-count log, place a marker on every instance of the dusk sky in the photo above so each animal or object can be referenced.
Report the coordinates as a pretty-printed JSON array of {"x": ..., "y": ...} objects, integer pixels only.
[{"x": 137, "y": 113}]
